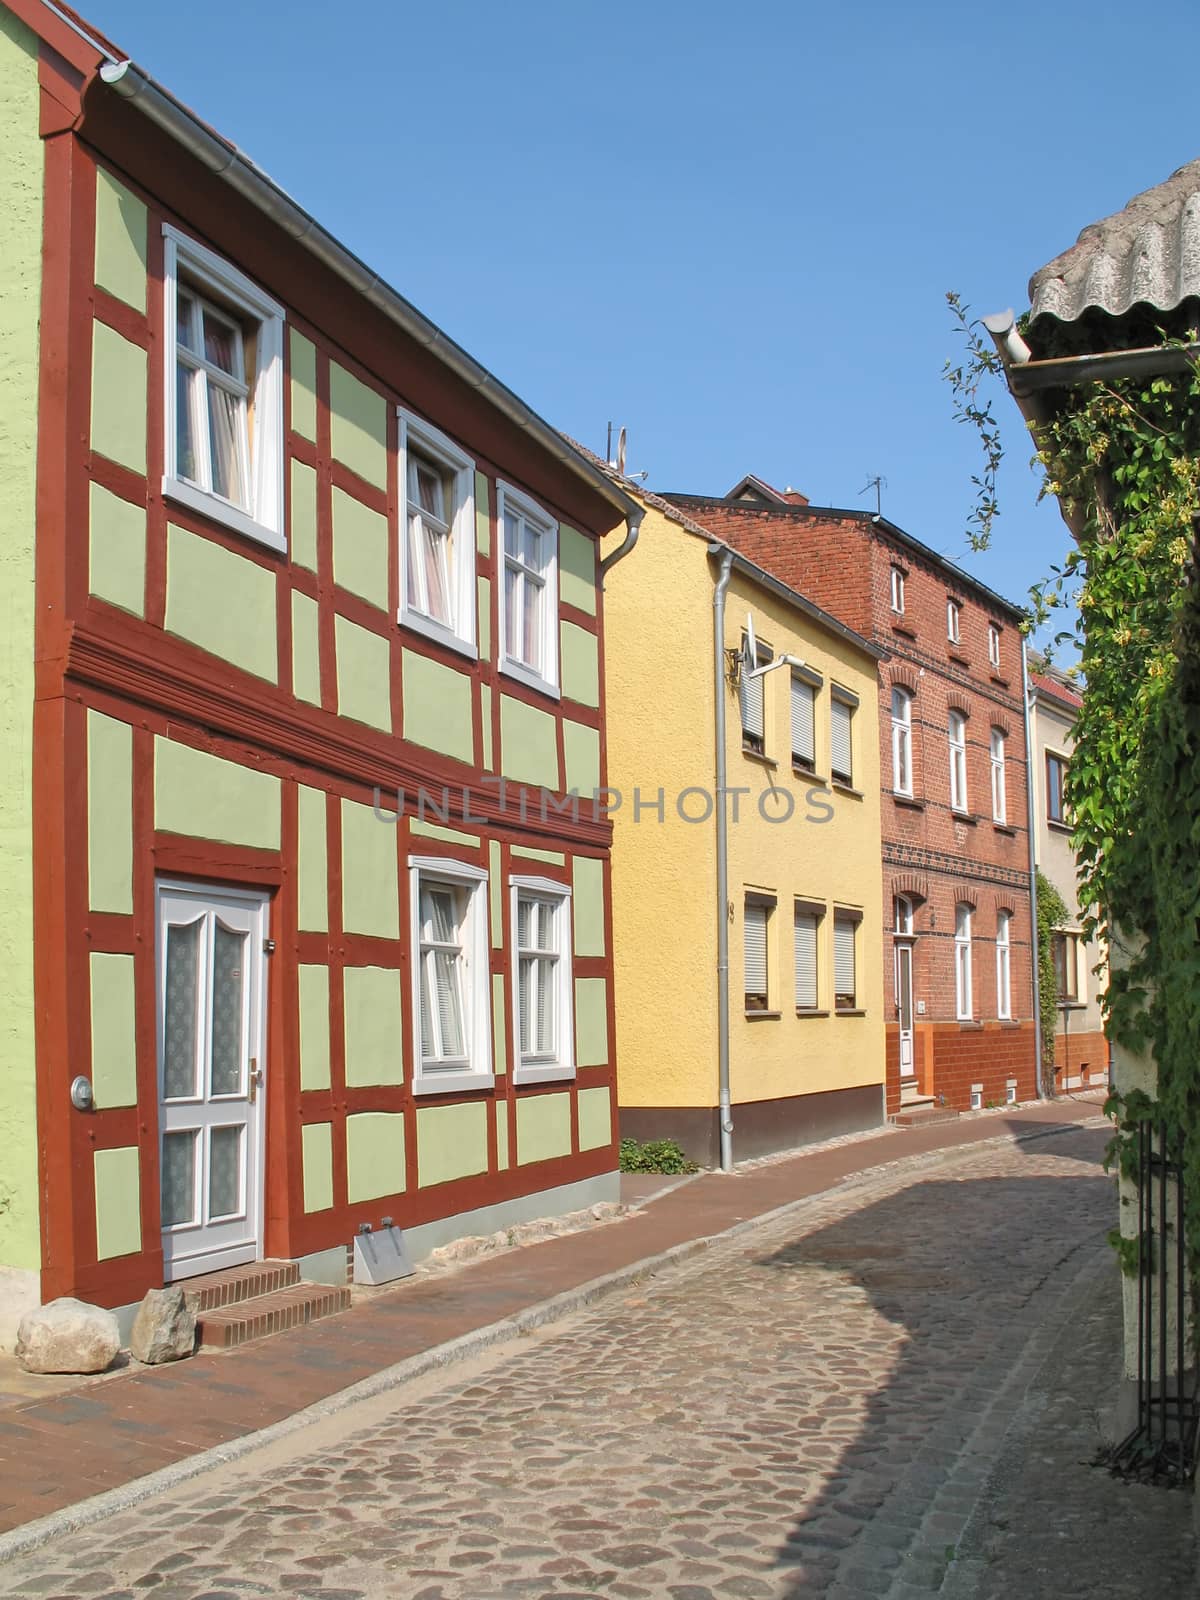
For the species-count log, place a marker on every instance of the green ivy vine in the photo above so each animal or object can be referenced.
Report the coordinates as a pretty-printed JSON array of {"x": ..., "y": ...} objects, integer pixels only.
[
  {"x": 1123, "y": 459},
  {"x": 1051, "y": 914}
]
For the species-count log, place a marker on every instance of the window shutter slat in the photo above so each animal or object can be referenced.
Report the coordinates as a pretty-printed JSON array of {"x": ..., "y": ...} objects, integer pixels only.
[
  {"x": 840, "y": 716},
  {"x": 806, "y": 960},
  {"x": 843, "y": 957},
  {"x": 752, "y": 704},
  {"x": 756, "y": 949},
  {"x": 804, "y": 697}
]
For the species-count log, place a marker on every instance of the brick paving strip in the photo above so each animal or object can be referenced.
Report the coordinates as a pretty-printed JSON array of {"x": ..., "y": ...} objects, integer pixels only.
[{"x": 80, "y": 1457}]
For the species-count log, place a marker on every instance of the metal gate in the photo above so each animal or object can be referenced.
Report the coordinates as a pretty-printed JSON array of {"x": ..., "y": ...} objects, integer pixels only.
[{"x": 1162, "y": 1447}]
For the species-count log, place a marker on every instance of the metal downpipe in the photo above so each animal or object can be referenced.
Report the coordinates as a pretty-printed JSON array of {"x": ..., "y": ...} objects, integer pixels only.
[
  {"x": 724, "y": 1109},
  {"x": 1031, "y": 810}
]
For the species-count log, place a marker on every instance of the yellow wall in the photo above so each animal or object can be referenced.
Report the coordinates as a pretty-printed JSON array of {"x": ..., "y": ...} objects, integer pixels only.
[{"x": 658, "y": 650}]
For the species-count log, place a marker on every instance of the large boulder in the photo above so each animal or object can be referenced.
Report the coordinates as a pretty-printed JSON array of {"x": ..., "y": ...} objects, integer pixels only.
[
  {"x": 165, "y": 1327},
  {"x": 68, "y": 1336}
]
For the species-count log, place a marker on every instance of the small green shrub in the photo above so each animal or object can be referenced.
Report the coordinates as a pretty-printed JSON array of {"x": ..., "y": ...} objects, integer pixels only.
[{"x": 656, "y": 1155}]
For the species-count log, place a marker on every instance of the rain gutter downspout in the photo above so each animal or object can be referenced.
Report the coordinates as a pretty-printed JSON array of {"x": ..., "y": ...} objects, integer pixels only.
[
  {"x": 1031, "y": 809},
  {"x": 633, "y": 526},
  {"x": 724, "y": 1109}
]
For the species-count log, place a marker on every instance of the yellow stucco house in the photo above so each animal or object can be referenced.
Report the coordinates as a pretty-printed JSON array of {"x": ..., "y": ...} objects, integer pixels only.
[{"x": 747, "y": 936}]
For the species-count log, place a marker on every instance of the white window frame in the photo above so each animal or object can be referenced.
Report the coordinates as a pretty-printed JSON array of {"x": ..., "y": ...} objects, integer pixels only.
[
  {"x": 1004, "y": 965},
  {"x": 963, "y": 996},
  {"x": 898, "y": 576},
  {"x": 902, "y": 916},
  {"x": 956, "y": 720},
  {"x": 953, "y": 621},
  {"x": 999, "y": 780},
  {"x": 209, "y": 273},
  {"x": 513, "y": 499},
  {"x": 993, "y": 646},
  {"x": 477, "y": 987},
  {"x": 902, "y": 741},
  {"x": 562, "y": 1066},
  {"x": 425, "y": 440}
]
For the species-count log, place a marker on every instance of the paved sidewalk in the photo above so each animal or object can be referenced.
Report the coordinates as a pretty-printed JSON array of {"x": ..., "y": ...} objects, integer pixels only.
[{"x": 61, "y": 1450}]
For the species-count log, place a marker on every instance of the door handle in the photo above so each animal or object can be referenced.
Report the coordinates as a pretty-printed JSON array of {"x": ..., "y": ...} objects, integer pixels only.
[{"x": 256, "y": 1078}]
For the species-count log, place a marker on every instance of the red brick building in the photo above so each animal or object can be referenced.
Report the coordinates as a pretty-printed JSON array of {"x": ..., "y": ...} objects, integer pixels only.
[{"x": 956, "y": 857}]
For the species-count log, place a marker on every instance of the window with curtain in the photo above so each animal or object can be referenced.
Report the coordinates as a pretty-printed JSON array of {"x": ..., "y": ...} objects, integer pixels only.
[
  {"x": 542, "y": 1000},
  {"x": 845, "y": 977},
  {"x": 223, "y": 427},
  {"x": 751, "y": 698},
  {"x": 902, "y": 772},
  {"x": 1056, "y": 777},
  {"x": 962, "y": 962},
  {"x": 451, "y": 987},
  {"x": 953, "y": 621},
  {"x": 804, "y": 703},
  {"x": 1064, "y": 951},
  {"x": 993, "y": 645},
  {"x": 999, "y": 785},
  {"x": 529, "y": 614},
  {"x": 902, "y": 916},
  {"x": 841, "y": 735},
  {"x": 957, "y": 729},
  {"x": 1003, "y": 965},
  {"x": 437, "y": 568},
  {"x": 806, "y": 936},
  {"x": 898, "y": 590},
  {"x": 755, "y": 920}
]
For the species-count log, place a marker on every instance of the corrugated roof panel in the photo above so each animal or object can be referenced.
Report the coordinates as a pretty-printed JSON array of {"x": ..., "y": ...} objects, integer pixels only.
[{"x": 1149, "y": 254}]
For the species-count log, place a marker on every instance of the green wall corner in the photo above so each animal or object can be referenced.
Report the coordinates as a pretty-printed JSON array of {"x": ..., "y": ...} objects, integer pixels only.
[
  {"x": 316, "y": 1150},
  {"x": 543, "y": 1127},
  {"x": 207, "y": 797},
  {"x": 360, "y": 549},
  {"x": 302, "y": 354},
  {"x": 314, "y": 1027},
  {"x": 495, "y": 893},
  {"x": 591, "y": 1022},
  {"x": 483, "y": 615},
  {"x": 581, "y": 754},
  {"x": 595, "y": 1118},
  {"x": 501, "y": 1135},
  {"x": 483, "y": 520},
  {"x": 357, "y": 426},
  {"x": 222, "y": 602},
  {"x": 587, "y": 881},
  {"x": 117, "y": 550},
  {"x": 580, "y": 655},
  {"x": 306, "y": 648},
  {"x": 374, "y": 1155},
  {"x": 110, "y": 813},
  {"x": 576, "y": 569},
  {"x": 530, "y": 852},
  {"x": 370, "y": 897},
  {"x": 118, "y": 398},
  {"x": 363, "y": 674},
  {"x": 485, "y": 725},
  {"x": 528, "y": 744},
  {"x": 452, "y": 1142},
  {"x": 374, "y": 1024},
  {"x": 304, "y": 515},
  {"x": 117, "y": 1175},
  {"x": 114, "y": 1043},
  {"x": 499, "y": 1027},
  {"x": 120, "y": 241},
  {"x": 437, "y": 707},
  {"x": 433, "y": 830},
  {"x": 312, "y": 879}
]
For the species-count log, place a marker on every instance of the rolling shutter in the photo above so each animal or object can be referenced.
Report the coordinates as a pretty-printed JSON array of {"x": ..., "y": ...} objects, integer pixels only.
[
  {"x": 806, "y": 960},
  {"x": 841, "y": 759},
  {"x": 804, "y": 697},
  {"x": 752, "y": 703},
  {"x": 756, "y": 950},
  {"x": 843, "y": 961}
]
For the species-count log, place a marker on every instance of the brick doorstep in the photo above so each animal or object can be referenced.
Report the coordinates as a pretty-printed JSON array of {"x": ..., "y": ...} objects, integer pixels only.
[
  {"x": 315, "y": 1360},
  {"x": 254, "y": 1317}
]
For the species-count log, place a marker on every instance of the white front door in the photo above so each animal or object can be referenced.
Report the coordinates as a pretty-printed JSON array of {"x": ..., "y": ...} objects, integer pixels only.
[
  {"x": 904, "y": 1007},
  {"x": 211, "y": 1060}
]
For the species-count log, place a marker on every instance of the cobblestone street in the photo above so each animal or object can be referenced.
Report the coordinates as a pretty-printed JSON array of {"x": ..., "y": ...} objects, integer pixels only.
[{"x": 815, "y": 1406}]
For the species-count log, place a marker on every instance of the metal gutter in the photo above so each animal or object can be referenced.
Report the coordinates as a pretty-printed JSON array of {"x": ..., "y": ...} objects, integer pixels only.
[
  {"x": 241, "y": 174},
  {"x": 78, "y": 28},
  {"x": 725, "y": 1112},
  {"x": 633, "y": 528},
  {"x": 1026, "y": 376}
]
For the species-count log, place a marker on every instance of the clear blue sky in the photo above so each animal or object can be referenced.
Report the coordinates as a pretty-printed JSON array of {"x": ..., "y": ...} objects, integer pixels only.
[{"x": 728, "y": 226}]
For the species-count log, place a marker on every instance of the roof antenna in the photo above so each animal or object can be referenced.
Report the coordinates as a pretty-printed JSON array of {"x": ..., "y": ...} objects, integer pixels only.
[{"x": 878, "y": 484}]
